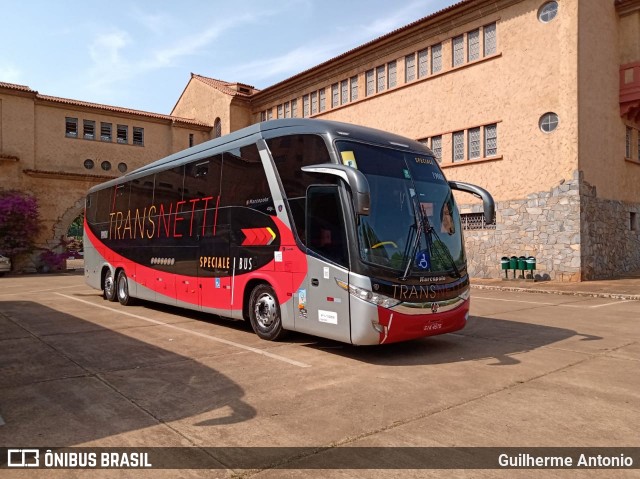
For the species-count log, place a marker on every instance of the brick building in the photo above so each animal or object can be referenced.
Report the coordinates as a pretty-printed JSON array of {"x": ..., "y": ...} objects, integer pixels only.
[
  {"x": 535, "y": 100},
  {"x": 538, "y": 101}
]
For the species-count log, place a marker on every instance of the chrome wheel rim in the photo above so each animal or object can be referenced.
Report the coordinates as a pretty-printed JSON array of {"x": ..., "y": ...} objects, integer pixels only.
[
  {"x": 123, "y": 291},
  {"x": 108, "y": 284},
  {"x": 266, "y": 310}
]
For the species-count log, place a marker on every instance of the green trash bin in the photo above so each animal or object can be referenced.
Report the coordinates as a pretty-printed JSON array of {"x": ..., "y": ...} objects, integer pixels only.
[
  {"x": 504, "y": 262},
  {"x": 531, "y": 263},
  {"x": 513, "y": 262},
  {"x": 522, "y": 263}
]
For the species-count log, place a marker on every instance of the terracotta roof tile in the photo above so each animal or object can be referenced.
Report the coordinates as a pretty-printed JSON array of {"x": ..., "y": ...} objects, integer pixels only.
[
  {"x": 233, "y": 89},
  {"x": 13, "y": 86},
  {"x": 117, "y": 109},
  {"x": 454, "y": 6}
]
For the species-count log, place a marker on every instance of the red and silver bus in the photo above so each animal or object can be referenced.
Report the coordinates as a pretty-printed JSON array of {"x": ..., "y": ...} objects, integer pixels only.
[{"x": 326, "y": 228}]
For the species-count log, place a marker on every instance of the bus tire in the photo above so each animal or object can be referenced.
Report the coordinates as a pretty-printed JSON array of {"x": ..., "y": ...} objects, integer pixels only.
[
  {"x": 122, "y": 289},
  {"x": 264, "y": 313},
  {"x": 109, "y": 286}
]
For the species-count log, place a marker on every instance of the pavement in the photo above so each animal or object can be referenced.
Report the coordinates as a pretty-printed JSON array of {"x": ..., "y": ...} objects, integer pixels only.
[
  {"x": 528, "y": 371},
  {"x": 627, "y": 287}
]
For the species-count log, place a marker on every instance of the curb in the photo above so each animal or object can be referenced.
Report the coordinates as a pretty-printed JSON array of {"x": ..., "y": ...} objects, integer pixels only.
[{"x": 590, "y": 294}]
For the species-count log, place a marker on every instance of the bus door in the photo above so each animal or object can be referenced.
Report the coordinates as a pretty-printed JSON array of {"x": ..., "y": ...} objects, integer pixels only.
[{"x": 323, "y": 306}]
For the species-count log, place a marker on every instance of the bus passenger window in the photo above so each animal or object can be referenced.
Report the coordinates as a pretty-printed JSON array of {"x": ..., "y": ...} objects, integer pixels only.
[
  {"x": 325, "y": 224},
  {"x": 244, "y": 181}
]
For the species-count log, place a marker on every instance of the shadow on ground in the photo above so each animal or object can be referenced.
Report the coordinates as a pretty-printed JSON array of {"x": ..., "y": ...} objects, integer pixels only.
[
  {"x": 483, "y": 338},
  {"x": 66, "y": 381}
]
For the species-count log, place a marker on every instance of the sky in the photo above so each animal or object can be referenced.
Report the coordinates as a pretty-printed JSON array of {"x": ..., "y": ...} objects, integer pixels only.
[{"x": 140, "y": 54}]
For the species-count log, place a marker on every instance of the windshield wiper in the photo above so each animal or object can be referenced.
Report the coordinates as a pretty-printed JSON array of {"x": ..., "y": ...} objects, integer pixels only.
[
  {"x": 422, "y": 224},
  {"x": 418, "y": 225}
]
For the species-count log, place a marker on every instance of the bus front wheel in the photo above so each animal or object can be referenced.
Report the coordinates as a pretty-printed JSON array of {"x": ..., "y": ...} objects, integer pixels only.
[
  {"x": 109, "y": 286},
  {"x": 122, "y": 289},
  {"x": 264, "y": 313}
]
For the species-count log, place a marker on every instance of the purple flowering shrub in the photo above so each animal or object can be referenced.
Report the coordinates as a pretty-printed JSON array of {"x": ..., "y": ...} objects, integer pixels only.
[
  {"x": 56, "y": 261},
  {"x": 19, "y": 222}
]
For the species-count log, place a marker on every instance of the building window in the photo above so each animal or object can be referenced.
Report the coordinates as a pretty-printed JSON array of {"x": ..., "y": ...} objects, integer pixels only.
[
  {"x": 475, "y": 221},
  {"x": 473, "y": 45},
  {"x": 354, "y": 88},
  {"x": 263, "y": 116},
  {"x": 105, "y": 132},
  {"x": 548, "y": 12},
  {"x": 314, "y": 102},
  {"x": 458, "y": 51},
  {"x": 138, "y": 136},
  {"x": 105, "y": 165},
  {"x": 410, "y": 68},
  {"x": 294, "y": 108},
  {"x": 548, "y": 122},
  {"x": 473, "y": 140},
  {"x": 305, "y": 106},
  {"x": 89, "y": 129},
  {"x": 190, "y": 140},
  {"x": 628, "y": 138},
  {"x": 391, "y": 74},
  {"x": 122, "y": 167},
  {"x": 344, "y": 92},
  {"x": 323, "y": 99},
  {"x": 269, "y": 113},
  {"x": 335, "y": 95},
  {"x": 287, "y": 110},
  {"x": 71, "y": 127},
  {"x": 89, "y": 164},
  {"x": 436, "y": 147},
  {"x": 490, "y": 39},
  {"x": 380, "y": 76},
  {"x": 370, "y": 77},
  {"x": 280, "y": 111},
  {"x": 491, "y": 140},
  {"x": 458, "y": 146},
  {"x": 423, "y": 63},
  {"x": 436, "y": 58},
  {"x": 217, "y": 127},
  {"x": 122, "y": 133}
]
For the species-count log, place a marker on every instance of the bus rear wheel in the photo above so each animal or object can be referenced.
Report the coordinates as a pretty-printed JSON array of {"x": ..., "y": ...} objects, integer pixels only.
[
  {"x": 122, "y": 289},
  {"x": 264, "y": 313},
  {"x": 109, "y": 286}
]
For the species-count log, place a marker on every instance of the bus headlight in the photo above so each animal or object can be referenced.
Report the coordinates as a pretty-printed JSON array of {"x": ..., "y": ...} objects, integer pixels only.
[{"x": 368, "y": 296}]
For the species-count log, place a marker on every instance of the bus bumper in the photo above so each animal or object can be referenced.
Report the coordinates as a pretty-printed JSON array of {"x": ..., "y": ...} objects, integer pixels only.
[{"x": 384, "y": 326}]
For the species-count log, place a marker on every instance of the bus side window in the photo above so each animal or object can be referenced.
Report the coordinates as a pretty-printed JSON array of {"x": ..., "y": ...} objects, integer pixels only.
[
  {"x": 325, "y": 224},
  {"x": 290, "y": 153},
  {"x": 244, "y": 181},
  {"x": 202, "y": 179}
]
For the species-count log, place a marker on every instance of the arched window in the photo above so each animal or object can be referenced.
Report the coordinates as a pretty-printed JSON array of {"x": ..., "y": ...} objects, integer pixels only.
[{"x": 217, "y": 128}]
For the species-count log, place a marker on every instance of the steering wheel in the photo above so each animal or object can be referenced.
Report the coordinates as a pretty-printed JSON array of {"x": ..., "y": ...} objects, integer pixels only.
[{"x": 382, "y": 243}]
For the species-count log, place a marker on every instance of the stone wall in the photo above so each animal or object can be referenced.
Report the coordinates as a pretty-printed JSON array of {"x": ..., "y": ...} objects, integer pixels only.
[
  {"x": 545, "y": 225},
  {"x": 573, "y": 234},
  {"x": 610, "y": 236}
]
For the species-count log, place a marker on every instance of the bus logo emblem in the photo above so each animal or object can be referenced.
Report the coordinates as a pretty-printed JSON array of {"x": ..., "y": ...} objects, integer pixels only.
[{"x": 435, "y": 307}]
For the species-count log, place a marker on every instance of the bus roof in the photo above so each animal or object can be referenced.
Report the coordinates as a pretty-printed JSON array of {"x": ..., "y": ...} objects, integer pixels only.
[{"x": 265, "y": 130}]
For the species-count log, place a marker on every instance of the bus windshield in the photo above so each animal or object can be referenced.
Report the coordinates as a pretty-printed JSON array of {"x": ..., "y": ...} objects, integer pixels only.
[{"x": 413, "y": 227}]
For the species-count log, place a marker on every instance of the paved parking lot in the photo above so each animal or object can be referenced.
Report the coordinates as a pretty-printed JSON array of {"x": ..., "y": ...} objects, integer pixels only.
[{"x": 529, "y": 370}]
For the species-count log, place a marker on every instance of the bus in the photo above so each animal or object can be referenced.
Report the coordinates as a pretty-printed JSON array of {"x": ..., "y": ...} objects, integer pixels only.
[{"x": 325, "y": 228}]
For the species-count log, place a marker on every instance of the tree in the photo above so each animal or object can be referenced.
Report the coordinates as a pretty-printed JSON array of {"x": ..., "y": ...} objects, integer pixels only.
[{"x": 19, "y": 223}]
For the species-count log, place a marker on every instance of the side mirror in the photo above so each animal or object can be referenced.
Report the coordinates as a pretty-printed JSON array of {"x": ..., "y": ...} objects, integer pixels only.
[
  {"x": 355, "y": 179},
  {"x": 487, "y": 200}
]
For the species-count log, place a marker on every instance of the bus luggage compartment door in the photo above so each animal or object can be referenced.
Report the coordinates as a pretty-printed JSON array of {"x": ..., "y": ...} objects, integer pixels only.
[{"x": 323, "y": 306}]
